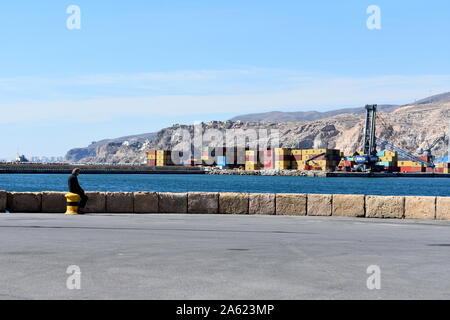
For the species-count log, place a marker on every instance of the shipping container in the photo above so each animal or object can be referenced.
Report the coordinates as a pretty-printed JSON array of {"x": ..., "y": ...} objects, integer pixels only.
[
  {"x": 409, "y": 164},
  {"x": 163, "y": 158},
  {"x": 267, "y": 159},
  {"x": 221, "y": 161},
  {"x": 282, "y": 165},
  {"x": 388, "y": 159},
  {"x": 283, "y": 152},
  {"x": 283, "y": 158},
  {"x": 387, "y": 164},
  {"x": 444, "y": 165},
  {"x": 327, "y": 151},
  {"x": 251, "y": 155},
  {"x": 269, "y": 165},
  {"x": 213, "y": 152},
  {"x": 251, "y": 166},
  {"x": 209, "y": 155},
  {"x": 425, "y": 158},
  {"x": 412, "y": 169},
  {"x": 151, "y": 154},
  {"x": 161, "y": 153},
  {"x": 387, "y": 153}
]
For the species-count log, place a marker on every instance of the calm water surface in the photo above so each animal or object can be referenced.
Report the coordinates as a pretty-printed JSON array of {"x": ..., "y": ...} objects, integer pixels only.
[{"x": 253, "y": 184}]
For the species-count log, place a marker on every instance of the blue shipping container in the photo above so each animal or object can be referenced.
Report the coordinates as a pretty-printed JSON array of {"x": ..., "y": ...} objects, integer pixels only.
[{"x": 221, "y": 161}]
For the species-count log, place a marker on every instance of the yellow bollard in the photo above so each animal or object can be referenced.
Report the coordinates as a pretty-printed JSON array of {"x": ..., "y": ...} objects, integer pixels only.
[{"x": 73, "y": 202}]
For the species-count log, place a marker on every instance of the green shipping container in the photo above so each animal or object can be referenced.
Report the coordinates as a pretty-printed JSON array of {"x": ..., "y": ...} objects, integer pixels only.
[{"x": 387, "y": 164}]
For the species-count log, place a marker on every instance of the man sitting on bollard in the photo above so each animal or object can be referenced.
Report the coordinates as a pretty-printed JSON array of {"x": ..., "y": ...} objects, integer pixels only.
[{"x": 74, "y": 187}]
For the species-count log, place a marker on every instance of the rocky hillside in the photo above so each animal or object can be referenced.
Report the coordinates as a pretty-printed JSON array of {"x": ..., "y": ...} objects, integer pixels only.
[
  {"x": 278, "y": 116},
  {"x": 408, "y": 127},
  {"x": 439, "y": 98},
  {"x": 90, "y": 152}
]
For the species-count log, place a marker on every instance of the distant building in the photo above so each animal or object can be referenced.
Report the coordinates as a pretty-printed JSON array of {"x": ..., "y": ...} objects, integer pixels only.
[
  {"x": 44, "y": 159},
  {"x": 21, "y": 158}
]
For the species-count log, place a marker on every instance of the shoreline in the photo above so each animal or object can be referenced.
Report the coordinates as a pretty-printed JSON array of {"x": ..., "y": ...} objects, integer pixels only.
[
  {"x": 287, "y": 173},
  {"x": 324, "y": 174},
  {"x": 33, "y": 168}
]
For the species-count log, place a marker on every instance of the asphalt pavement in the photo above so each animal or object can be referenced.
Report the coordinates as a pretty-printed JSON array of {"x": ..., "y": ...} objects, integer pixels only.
[{"x": 221, "y": 257}]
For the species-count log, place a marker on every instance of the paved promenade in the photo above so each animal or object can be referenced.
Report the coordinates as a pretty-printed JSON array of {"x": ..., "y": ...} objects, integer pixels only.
[{"x": 221, "y": 257}]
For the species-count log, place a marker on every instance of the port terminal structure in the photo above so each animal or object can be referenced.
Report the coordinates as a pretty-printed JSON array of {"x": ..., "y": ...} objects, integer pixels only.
[{"x": 29, "y": 168}]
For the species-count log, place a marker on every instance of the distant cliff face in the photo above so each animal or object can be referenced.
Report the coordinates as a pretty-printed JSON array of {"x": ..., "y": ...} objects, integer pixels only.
[
  {"x": 92, "y": 152},
  {"x": 410, "y": 127}
]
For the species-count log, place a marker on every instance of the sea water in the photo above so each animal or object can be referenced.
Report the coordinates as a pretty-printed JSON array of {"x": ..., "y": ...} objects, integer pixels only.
[{"x": 224, "y": 183}]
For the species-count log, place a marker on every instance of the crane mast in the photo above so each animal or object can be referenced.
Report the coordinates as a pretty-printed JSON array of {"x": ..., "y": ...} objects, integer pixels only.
[{"x": 370, "y": 147}]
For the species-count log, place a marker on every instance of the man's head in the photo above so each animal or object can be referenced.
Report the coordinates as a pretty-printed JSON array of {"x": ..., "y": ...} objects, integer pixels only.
[{"x": 76, "y": 171}]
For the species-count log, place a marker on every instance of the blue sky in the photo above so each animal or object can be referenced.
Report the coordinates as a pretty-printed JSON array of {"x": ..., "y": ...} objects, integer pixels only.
[{"x": 138, "y": 66}]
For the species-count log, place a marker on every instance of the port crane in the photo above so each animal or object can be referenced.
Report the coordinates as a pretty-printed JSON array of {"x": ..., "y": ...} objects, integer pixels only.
[
  {"x": 315, "y": 157},
  {"x": 388, "y": 146},
  {"x": 427, "y": 151},
  {"x": 369, "y": 159}
]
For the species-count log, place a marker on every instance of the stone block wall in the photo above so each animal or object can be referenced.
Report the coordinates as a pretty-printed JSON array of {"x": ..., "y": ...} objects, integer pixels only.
[{"x": 337, "y": 205}]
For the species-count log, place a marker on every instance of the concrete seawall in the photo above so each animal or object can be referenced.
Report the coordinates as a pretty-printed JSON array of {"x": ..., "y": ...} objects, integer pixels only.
[
  {"x": 37, "y": 168},
  {"x": 392, "y": 207}
]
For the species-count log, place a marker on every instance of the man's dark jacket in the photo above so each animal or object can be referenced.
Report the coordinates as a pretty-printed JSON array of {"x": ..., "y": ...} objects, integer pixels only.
[{"x": 74, "y": 186}]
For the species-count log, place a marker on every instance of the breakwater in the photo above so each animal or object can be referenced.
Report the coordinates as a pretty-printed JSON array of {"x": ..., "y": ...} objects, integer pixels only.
[
  {"x": 395, "y": 207},
  {"x": 37, "y": 168},
  {"x": 325, "y": 174}
]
